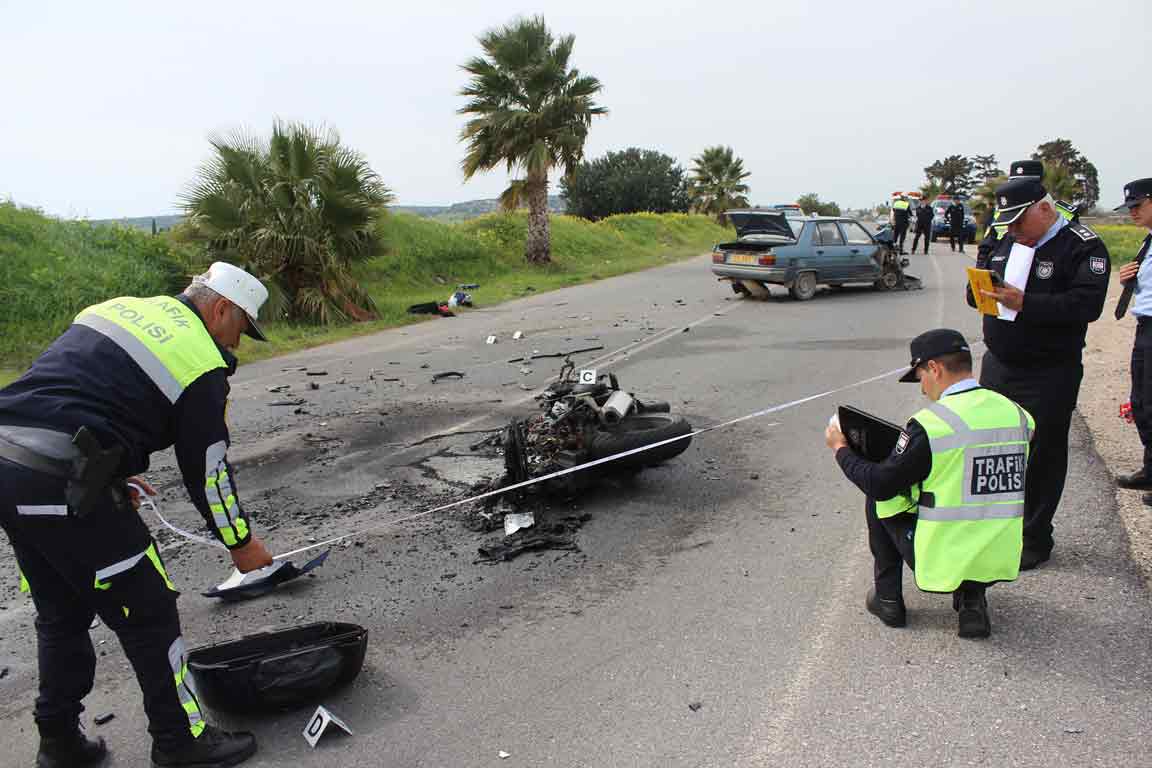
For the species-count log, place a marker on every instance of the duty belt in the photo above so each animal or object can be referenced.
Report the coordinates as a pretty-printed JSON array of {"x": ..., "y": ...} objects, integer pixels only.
[{"x": 41, "y": 450}]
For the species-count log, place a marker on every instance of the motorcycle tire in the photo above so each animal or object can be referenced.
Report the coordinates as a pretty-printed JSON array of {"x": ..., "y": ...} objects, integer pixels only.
[{"x": 636, "y": 431}]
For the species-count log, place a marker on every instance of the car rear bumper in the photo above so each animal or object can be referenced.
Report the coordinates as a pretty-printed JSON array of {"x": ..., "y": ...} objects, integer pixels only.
[{"x": 775, "y": 275}]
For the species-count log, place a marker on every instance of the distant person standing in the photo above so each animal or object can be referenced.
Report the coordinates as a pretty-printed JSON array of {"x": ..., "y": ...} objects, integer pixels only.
[
  {"x": 955, "y": 218},
  {"x": 901, "y": 215},
  {"x": 1137, "y": 279},
  {"x": 923, "y": 226}
]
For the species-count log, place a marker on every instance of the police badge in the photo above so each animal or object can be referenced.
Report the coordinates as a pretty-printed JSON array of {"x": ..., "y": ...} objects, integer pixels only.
[
  {"x": 1097, "y": 264},
  {"x": 1044, "y": 269}
]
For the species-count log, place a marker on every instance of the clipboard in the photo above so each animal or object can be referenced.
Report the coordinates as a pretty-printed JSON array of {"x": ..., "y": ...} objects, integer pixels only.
[
  {"x": 868, "y": 435},
  {"x": 980, "y": 280}
]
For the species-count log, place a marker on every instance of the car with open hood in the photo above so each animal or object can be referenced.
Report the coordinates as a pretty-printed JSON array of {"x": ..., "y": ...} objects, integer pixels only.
[{"x": 801, "y": 254}]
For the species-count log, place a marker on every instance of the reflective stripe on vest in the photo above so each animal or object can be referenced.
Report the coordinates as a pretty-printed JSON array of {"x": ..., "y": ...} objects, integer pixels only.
[
  {"x": 162, "y": 335},
  {"x": 129, "y": 563}
]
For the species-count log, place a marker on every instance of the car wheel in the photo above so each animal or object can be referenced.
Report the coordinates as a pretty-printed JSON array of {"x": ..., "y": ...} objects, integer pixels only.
[
  {"x": 804, "y": 286},
  {"x": 738, "y": 288},
  {"x": 888, "y": 281}
]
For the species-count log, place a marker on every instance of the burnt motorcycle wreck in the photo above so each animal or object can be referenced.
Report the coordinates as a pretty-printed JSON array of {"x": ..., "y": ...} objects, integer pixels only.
[{"x": 580, "y": 422}]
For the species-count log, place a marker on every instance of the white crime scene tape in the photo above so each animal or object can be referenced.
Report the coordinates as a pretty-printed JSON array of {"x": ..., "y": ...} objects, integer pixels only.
[{"x": 516, "y": 486}]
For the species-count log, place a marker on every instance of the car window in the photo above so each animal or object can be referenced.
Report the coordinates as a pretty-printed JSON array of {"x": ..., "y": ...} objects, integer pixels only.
[
  {"x": 855, "y": 234},
  {"x": 828, "y": 234},
  {"x": 797, "y": 227}
]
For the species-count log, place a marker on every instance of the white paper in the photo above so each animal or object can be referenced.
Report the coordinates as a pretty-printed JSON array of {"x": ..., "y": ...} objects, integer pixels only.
[{"x": 1016, "y": 273}]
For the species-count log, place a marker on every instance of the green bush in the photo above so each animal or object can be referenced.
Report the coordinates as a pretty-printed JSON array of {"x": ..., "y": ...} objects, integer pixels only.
[
  {"x": 1123, "y": 240},
  {"x": 51, "y": 269}
]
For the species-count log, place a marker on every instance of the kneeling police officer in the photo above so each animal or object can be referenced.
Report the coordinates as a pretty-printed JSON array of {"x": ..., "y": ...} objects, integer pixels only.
[{"x": 949, "y": 500}]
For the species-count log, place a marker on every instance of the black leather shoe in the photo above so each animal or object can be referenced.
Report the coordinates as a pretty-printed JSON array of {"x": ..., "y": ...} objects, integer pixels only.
[
  {"x": 891, "y": 612},
  {"x": 1030, "y": 558},
  {"x": 1137, "y": 481},
  {"x": 972, "y": 616},
  {"x": 211, "y": 749},
  {"x": 72, "y": 751}
]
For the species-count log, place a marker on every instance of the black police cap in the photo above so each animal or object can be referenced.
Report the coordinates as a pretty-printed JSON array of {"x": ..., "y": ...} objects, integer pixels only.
[
  {"x": 1013, "y": 198},
  {"x": 1135, "y": 192},
  {"x": 1033, "y": 168},
  {"x": 932, "y": 344}
]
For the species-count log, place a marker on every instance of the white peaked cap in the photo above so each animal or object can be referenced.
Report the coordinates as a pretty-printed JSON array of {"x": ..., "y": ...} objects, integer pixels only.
[{"x": 240, "y": 288}]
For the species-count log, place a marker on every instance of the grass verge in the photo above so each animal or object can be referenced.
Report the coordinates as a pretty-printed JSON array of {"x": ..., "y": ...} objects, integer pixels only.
[
  {"x": 51, "y": 269},
  {"x": 1123, "y": 241}
]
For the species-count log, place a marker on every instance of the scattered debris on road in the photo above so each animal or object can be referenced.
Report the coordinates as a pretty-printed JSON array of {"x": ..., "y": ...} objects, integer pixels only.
[
  {"x": 695, "y": 706},
  {"x": 107, "y": 717},
  {"x": 446, "y": 375},
  {"x": 537, "y": 355},
  {"x": 278, "y": 403}
]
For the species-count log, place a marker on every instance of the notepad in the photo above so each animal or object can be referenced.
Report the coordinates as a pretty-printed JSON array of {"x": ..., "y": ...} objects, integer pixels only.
[{"x": 981, "y": 280}]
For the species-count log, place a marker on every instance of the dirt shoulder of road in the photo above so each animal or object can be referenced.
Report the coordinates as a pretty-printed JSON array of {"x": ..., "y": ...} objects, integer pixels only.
[{"x": 1105, "y": 388}]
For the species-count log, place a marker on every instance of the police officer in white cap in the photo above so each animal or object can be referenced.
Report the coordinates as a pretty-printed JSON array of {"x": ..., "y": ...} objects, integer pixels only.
[{"x": 130, "y": 377}]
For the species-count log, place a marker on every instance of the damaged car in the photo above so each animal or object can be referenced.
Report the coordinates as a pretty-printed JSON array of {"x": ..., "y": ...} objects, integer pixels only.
[{"x": 803, "y": 254}]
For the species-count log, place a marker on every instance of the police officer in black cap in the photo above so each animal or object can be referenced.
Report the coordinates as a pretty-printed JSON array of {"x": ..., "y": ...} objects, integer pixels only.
[
  {"x": 922, "y": 505},
  {"x": 1137, "y": 279},
  {"x": 1035, "y": 347}
]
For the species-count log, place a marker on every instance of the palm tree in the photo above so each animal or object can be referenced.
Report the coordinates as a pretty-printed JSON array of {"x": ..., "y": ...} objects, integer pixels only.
[
  {"x": 531, "y": 113},
  {"x": 298, "y": 211},
  {"x": 717, "y": 182}
]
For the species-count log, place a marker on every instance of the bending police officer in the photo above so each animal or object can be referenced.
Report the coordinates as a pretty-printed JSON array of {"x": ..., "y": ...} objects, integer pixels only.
[
  {"x": 1035, "y": 345},
  {"x": 949, "y": 500},
  {"x": 129, "y": 377}
]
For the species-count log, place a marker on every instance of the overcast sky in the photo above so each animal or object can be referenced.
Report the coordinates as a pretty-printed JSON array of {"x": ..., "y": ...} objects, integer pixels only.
[{"x": 105, "y": 107}]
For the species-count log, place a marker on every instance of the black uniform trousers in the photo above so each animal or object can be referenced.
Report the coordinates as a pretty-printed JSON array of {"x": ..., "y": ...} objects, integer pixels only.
[
  {"x": 1141, "y": 396},
  {"x": 60, "y": 557},
  {"x": 892, "y": 542},
  {"x": 1048, "y": 393},
  {"x": 900, "y": 233},
  {"x": 956, "y": 237},
  {"x": 927, "y": 234}
]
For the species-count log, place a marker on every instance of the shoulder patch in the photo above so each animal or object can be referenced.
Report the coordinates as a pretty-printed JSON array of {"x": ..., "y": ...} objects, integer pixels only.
[
  {"x": 1098, "y": 264},
  {"x": 1082, "y": 231}
]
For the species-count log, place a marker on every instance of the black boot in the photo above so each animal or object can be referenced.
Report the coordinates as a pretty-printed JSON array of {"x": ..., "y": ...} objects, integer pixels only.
[
  {"x": 71, "y": 751},
  {"x": 889, "y": 611},
  {"x": 972, "y": 613},
  {"x": 211, "y": 749}
]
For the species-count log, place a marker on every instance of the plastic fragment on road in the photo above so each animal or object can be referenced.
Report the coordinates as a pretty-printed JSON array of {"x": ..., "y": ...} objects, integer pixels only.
[
  {"x": 319, "y": 722},
  {"x": 447, "y": 375},
  {"x": 503, "y": 755},
  {"x": 105, "y": 718},
  {"x": 515, "y": 521},
  {"x": 245, "y": 586},
  {"x": 490, "y": 340},
  {"x": 518, "y": 335}
]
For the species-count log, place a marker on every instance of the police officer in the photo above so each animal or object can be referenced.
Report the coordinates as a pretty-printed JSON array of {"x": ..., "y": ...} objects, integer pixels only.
[
  {"x": 1137, "y": 279},
  {"x": 1035, "y": 345},
  {"x": 1026, "y": 169},
  {"x": 129, "y": 377},
  {"x": 901, "y": 215},
  {"x": 954, "y": 215},
  {"x": 953, "y": 515},
  {"x": 923, "y": 226}
]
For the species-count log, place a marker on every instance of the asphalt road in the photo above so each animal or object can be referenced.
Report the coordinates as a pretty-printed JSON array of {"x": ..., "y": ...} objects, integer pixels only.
[{"x": 731, "y": 579}]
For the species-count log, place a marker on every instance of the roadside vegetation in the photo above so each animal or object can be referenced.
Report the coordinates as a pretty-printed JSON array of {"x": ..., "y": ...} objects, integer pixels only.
[
  {"x": 51, "y": 269},
  {"x": 1123, "y": 240}
]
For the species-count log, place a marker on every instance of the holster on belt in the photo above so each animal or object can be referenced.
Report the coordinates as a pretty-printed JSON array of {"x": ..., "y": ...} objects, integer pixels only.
[{"x": 93, "y": 473}]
